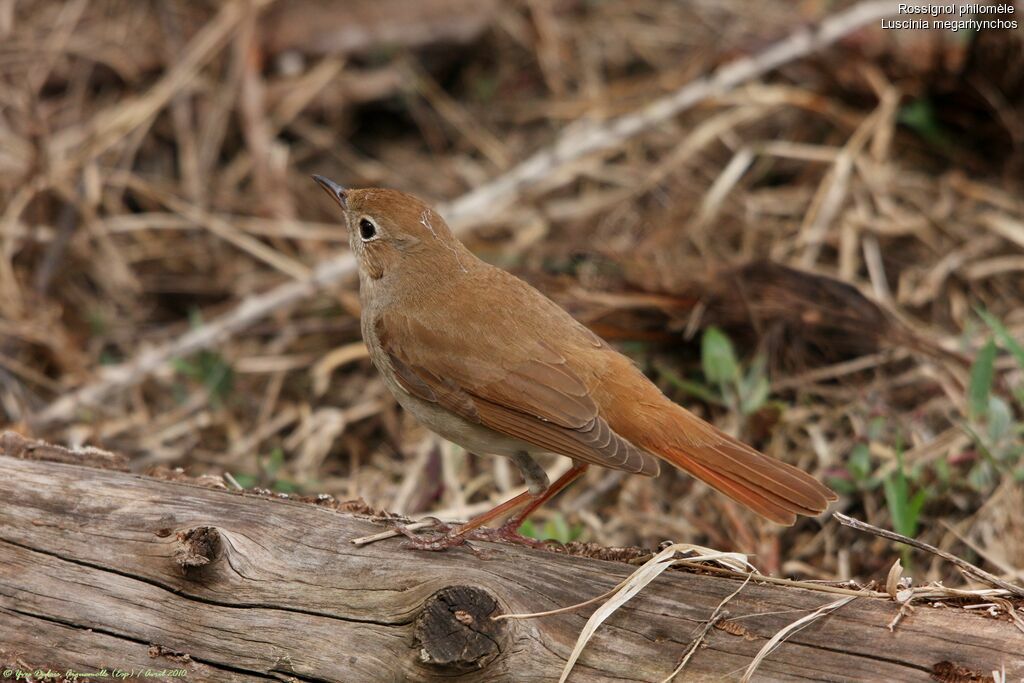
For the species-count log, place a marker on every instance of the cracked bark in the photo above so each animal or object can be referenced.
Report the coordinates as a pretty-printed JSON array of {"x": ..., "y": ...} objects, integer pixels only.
[{"x": 103, "y": 568}]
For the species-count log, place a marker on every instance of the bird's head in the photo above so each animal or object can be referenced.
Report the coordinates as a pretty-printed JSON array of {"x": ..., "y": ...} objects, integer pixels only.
[{"x": 391, "y": 231}]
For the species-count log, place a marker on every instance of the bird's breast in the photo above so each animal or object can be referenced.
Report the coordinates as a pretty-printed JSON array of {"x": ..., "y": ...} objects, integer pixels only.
[{"x": 472, "y": 436}]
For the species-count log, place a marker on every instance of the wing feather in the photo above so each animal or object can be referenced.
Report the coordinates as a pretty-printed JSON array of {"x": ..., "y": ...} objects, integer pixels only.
[{"x": 538, "y": 399}]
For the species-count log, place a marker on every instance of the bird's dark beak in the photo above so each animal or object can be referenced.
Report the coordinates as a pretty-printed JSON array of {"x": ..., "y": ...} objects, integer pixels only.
[{"x": 332, "y": 188}]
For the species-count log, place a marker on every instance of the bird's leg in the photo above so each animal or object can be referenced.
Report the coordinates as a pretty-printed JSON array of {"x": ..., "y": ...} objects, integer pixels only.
[
  {"x": 536, "y": 478},
  {"x": 537, "y": 487},
  {"x": 537, "y": 493},
  {"x": 509, "y": 531}
]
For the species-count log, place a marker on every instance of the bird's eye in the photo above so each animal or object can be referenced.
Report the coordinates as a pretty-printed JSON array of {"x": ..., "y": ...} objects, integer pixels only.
[{"x": 367, "y": 230}]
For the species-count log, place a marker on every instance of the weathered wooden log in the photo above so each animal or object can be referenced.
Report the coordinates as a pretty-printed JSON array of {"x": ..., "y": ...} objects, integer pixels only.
[{"x": 102, "y": 568}]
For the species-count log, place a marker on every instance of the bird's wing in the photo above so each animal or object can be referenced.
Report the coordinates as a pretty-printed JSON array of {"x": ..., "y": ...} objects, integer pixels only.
[{"x": 503, "y": 375}]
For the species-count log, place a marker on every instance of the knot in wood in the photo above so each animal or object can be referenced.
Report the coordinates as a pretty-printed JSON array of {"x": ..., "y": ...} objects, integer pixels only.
[
  {"x": 455, "y": 629},
  {"x": 197, "y": 547}
]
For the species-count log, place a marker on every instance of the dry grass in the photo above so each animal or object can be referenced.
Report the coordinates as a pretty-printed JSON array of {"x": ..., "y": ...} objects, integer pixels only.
[{"x": 154, "y": 175}]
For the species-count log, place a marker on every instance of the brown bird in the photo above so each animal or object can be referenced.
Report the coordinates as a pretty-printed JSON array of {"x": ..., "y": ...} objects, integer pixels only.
[{"x": 488, "y": 362}]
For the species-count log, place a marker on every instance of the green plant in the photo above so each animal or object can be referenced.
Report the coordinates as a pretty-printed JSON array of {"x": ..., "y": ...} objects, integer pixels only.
[
  {"x": 861, "y": 473},
  {"x": 209, "y": 368},
  {"x": 991, "y": 421},
  {"x": 979, "y": 391},
  {"x": 555, "y": 529},
  {"x": 726, "y": 382},
  {"x": 270, "y": 467},
  {"x": 1015, "y": 348},
  {"x": 904, "y": 507},
  {"x": 920, "y": 116},
  {"x": 904, "y": 490},
  {"x": 212, "y": 370}
]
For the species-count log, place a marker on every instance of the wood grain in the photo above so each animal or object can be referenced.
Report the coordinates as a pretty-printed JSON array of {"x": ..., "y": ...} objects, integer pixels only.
[{"x": 98, "y": 569}]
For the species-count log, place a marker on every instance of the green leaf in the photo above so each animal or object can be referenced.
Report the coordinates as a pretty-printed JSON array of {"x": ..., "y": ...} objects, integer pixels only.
[
  {"x": 210, "y": 368},
  {"x": 754, "y": 388},
  {"x": 285, "y": 486},
  {"x": 1000, "y": 419},
  {"x": 903, "y": 516},
  {"x": 718, "y": 358},
  {"x": 920, "y": 116},
  {"x": 981, "y": 477},
  {"x": 980, "y": 387},
  {"x": 246, "y": 481},
  {"x": 896, "y": 500},
  {"x": 876, "y": 428},
  {"x": 942, "y": 471},
  {"x": 914, "y": 512},
  {"x": 756, "y": 398},
  {"x": 528, "y": 529},
  {"x": 859, "y": 462},
  {"x": 695, "y": 389},
  {"x": 274, "y": 462},
  {"x": 903, "y": 508},
  {"x": 1011, "y": 344},
  {"x": 557, "y": 529},
  {"x": 844, "y": 486}
]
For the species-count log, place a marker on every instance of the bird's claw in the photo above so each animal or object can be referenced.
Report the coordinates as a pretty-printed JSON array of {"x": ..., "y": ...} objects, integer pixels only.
[
  {"x": 507, "y": 533},
  {"x": 446, "y": 536},
  {"x": 439, "y": 542}
]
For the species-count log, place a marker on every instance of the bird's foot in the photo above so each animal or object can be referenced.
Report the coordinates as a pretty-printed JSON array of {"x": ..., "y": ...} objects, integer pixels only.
[
  {"x": 507, "y": 533},
  {"x": 435, "y": 530},
  {"x": 441, "y": 537},
  {"x": 439, "y": 542}
]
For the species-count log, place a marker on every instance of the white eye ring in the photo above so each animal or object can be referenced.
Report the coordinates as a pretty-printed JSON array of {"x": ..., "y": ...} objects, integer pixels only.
[{"x": 368, "y": 230}]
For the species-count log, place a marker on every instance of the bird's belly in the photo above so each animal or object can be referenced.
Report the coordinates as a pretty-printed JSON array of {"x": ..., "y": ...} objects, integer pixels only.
[
  {"x": 471, "y": 436},
  {"x": 446, "y": 424}
]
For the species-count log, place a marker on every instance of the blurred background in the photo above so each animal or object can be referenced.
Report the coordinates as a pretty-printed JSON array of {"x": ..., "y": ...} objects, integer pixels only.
[{"x": 827, "y": 261}]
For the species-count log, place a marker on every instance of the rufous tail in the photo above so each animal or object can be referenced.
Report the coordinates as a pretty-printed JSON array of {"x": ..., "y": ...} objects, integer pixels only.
[{"x": 767, "y": 486}]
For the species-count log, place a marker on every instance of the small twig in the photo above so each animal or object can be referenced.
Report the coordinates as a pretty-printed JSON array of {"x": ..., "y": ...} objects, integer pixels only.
[
  {"x": 391, "y": 533},
  {"x": 232, "y": 481},
  {"x": 715, "y": 617},
  {"x": 973, "y": 570},
  {"x": 779, "y": 581}
]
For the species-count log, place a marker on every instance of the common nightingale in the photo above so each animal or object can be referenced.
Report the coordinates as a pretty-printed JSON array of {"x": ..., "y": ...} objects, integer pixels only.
[{"x": 488, "y": 362}]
